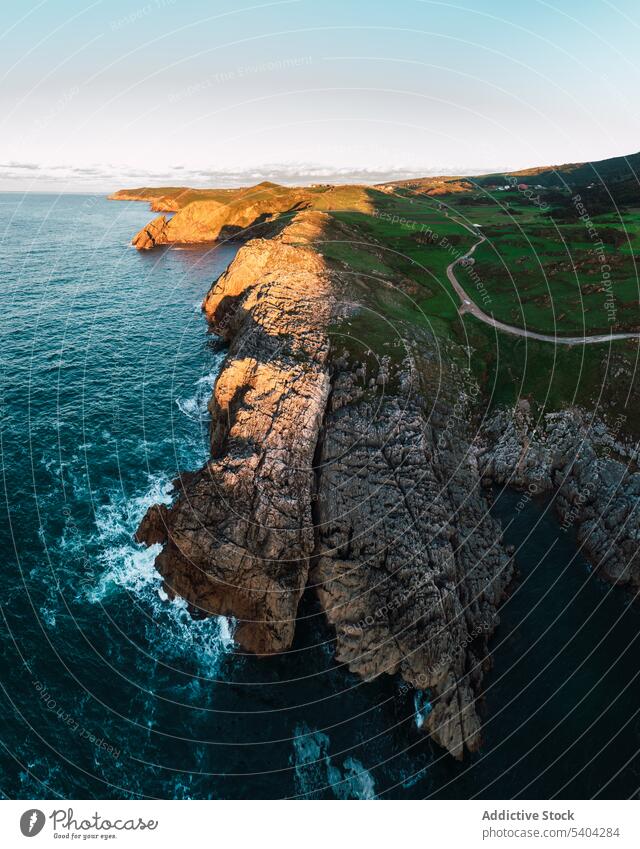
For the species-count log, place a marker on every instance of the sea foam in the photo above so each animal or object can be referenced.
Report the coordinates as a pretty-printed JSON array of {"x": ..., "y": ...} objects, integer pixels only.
[{"x": 128, "y": 567}]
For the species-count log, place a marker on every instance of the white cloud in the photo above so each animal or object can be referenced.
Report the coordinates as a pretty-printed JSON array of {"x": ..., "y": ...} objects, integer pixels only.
[{"x": 28, "y": 176}]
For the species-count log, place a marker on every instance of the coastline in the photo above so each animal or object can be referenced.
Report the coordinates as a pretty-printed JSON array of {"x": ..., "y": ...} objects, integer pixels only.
[
  {"x": 292, "y": 497},
  {"x": 355, "y": 477}
]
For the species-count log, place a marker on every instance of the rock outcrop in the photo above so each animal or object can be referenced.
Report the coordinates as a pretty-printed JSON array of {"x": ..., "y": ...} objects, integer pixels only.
[
  {"x": 151, "y": 235},
  {"x": 591, "y": 470},
  {"x": 349, "y": 477},
  {"x": 208, "y": 220},
  {"x": 207, "y": 215}
]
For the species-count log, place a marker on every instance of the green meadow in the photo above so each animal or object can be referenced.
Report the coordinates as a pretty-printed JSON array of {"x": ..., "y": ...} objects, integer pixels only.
[{"x": 536, "y": 272}]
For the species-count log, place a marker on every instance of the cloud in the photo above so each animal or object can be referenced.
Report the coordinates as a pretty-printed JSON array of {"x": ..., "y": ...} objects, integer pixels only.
[
  {"x": 106, "y": 177},
  {"x": 25, "y": 166}
]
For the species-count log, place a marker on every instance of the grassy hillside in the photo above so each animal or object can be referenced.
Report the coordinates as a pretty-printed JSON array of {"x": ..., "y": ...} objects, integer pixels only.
[
  {"x": 176, "y": 198},
  {"x": 603, "y": 172}
]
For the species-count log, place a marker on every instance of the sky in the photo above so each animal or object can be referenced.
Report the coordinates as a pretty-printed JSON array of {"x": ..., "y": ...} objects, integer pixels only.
[{"x": 102, "y": 95}]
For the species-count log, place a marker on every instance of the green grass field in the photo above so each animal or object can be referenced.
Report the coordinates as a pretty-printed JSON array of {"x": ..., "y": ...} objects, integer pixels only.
[
  {"x": 559, "y": 277},
  {"x": 537, "y": 273}
]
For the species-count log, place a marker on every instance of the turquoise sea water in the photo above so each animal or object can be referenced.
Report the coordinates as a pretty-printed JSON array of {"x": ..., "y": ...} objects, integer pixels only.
[{"x": 108, "y": 690}]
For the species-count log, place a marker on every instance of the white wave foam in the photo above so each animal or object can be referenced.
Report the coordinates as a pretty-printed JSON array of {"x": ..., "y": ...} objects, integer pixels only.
[
  {"x": 195, "y": 406},
  {"x": 119, "y": 518},
  {"x": 48, "y": 615},
  {"x": 127, "y": 566},
  {"x": 315, "y": 770},
  {"x": 422, "y": 706},
  {"x": 183, "y": 641}
]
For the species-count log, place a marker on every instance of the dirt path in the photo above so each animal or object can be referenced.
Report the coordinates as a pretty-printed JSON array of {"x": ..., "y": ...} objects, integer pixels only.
[{"x": 469, "y": 306}]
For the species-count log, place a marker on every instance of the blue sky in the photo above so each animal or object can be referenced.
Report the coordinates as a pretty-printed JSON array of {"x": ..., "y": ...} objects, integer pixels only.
[{"x": 98, "y": 95}]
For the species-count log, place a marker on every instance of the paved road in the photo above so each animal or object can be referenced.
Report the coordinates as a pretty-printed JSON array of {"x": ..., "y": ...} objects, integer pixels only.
[{"x": 468, "y": 306}]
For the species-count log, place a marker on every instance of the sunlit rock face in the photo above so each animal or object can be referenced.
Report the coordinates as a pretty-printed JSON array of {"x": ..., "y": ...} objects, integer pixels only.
[{"x": 206, "y": 215}]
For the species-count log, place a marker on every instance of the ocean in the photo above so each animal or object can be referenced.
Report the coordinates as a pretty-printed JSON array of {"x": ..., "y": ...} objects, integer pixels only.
[{"x": 108, "y": 690}]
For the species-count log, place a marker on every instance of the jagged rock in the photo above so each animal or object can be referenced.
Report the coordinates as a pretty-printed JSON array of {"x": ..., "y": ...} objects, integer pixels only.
[
  {"x": 151, "y": 235},
  {"x": 153, "y": 527},
  {"x": 590, "y": 471}
]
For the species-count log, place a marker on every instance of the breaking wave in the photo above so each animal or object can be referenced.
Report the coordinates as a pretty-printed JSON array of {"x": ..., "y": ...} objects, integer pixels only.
[
  {"x": 129, "y": 567},
  {"x": 195, "y": 405}
]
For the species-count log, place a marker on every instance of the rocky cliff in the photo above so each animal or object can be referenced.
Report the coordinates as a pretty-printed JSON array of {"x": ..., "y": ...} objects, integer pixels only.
[
  {"x": 240, "y": 537},
  {"x": 208, "y": 220},
  {"x": 336, "y": 463},
  {"x": 207, "y": 215}
]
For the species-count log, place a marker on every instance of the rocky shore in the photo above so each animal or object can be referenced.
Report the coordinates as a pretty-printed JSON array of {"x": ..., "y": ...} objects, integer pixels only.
[{"x": 341, "y": 471}]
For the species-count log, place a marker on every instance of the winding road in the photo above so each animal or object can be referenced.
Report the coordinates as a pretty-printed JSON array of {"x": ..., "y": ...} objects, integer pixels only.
[{"x": 469, "y": 306}]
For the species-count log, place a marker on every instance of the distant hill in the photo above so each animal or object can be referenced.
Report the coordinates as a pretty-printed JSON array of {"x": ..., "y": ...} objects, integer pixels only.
[
  {"x": 204, "y": 215},
  {"x": 619, "y": 169},
  {"x": 208, "y": 214},
  {"x": 620, "y": 175}
]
